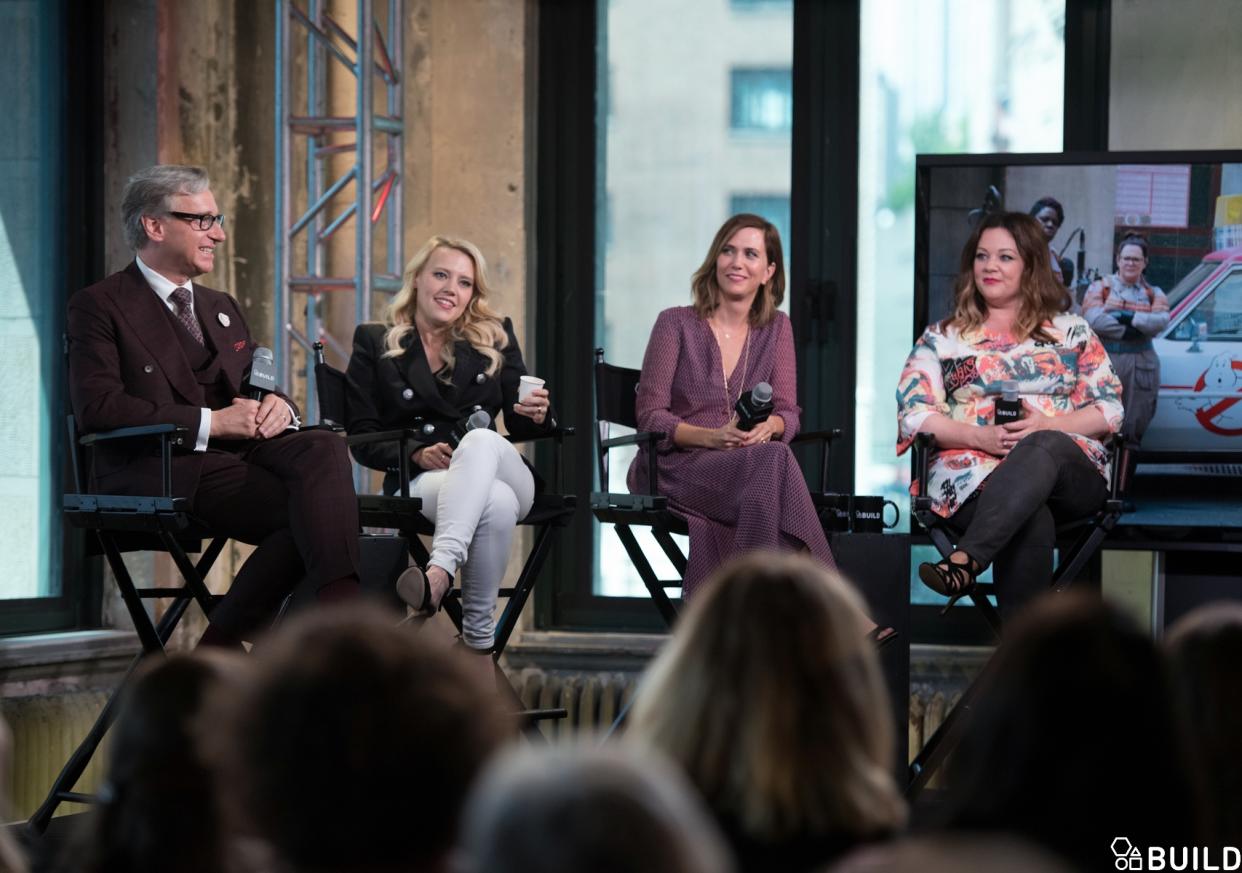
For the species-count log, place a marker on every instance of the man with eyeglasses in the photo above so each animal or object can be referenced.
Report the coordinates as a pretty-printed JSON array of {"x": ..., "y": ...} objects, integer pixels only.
[{"x": 148, "y": 345}]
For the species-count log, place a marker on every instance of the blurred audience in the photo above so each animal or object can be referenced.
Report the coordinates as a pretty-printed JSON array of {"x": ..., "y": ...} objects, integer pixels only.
[
  {"x": 1205, "y": 656},
  {"x": 157, "y": 807},
  {"x": 953, "y": 853},
  {"x": 771, "y": 699},
  {"x": 1073, "y": 739},
  {"x": 588, "y": 810},
  {"x": 354, "y": 743}
]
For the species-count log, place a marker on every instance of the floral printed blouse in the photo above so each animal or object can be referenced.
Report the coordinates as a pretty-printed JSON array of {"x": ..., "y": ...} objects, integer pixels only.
[{"x": 960, "y": 375}]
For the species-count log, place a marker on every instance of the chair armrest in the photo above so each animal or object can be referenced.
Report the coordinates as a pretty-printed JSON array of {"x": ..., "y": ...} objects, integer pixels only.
[
  {"x": 557, "y": 433},
  {"x": 808, "y": 436},
  {"x": 924, "y": 445},
  {"x": 825, "y": 439},
  {"x": 329, "y": 426},
  {"x": 382, "y": 436},
  {"x": 163, "y": 431},
  {"x": 167, "y": 434},
  {"x": 403, "y": 436},
  {"x": 632, "y": 439}
]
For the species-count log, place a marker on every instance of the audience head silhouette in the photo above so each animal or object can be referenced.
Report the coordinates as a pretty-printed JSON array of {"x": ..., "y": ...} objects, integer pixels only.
[
  {"x": 1073, "y": 739},
  {"x": 158, "y": 808},
  {"x": 354, "y": 744},
  {"x": 771, "y": 699},
  {"x": 1205, "y": 656},
  {"x": 602, "y": 810}
]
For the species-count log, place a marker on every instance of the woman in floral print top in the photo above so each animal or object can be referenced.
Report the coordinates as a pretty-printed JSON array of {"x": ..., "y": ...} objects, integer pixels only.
[{"x": 1002, "y": 488}]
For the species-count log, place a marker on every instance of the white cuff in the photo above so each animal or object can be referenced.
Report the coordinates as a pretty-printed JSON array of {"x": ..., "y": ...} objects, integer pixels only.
[{"x": 204, "y": 430}]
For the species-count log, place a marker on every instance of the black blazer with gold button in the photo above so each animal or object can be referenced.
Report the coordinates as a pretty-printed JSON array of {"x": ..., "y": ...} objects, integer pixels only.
[{"x": 401, "y": 392}]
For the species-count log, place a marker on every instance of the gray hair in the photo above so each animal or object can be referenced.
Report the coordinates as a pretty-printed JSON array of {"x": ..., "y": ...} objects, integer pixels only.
[
  {"x": 147, "y": 193},
  {"x": 568, "y": 809}
]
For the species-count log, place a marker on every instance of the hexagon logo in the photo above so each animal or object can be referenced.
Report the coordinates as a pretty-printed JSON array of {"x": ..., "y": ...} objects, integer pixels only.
[{"x": 1127, "y": 855}]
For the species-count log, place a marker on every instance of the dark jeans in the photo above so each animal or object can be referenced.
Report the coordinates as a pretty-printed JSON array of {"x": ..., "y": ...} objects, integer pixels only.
[{"x": 1044, "y": 480}]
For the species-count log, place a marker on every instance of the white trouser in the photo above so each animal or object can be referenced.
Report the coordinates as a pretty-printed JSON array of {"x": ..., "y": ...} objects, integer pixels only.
[{"x": 475, "y": 504}]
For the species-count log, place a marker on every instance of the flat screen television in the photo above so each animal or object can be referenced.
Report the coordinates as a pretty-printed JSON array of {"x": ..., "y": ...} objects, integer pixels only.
[{"x": 1188, "y": 205}]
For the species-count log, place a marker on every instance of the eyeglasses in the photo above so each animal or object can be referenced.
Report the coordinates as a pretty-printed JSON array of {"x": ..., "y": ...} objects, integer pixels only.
[
  {"x": 1131, "y": 260},
  {"x": 205, "y": 221}
]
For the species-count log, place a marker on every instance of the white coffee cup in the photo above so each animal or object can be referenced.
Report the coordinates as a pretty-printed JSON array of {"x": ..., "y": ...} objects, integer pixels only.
[{"x": 526, "y": 385}]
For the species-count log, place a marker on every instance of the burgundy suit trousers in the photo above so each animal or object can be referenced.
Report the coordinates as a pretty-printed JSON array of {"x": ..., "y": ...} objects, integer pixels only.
[{"x": 293, "y": 497}]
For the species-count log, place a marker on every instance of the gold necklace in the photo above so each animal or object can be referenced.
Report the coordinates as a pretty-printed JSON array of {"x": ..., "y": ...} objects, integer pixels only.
[{"x": 724, "y": 375}]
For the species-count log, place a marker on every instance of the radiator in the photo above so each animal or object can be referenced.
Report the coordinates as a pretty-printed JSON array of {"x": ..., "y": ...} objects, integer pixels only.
[
  {"x": 46, "y": 730},
  {"x": 594, "y": 699}
]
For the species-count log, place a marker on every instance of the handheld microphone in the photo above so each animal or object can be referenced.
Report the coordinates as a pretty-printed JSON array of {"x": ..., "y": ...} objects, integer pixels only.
[
  {"x": 477, "y": 419},
  {"x": 262, "y": 377},
  {"x": 754, "y": 406},
  {"x": 1008, "y": 405}
]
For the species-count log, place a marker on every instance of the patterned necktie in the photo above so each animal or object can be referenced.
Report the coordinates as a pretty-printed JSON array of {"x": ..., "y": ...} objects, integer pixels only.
[{"x": 181, "y": 299}]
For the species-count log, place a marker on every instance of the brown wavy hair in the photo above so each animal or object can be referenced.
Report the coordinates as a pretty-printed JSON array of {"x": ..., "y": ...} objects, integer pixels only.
[
  {"x": 1043, "y": 297},
  {"x": 706, "y": 292},
  {"x": 808, "y": 748},
  {"x": 479, "y": 324}
]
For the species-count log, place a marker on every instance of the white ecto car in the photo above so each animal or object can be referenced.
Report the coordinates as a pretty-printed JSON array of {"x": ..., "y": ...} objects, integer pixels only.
[{"x": 1199, "y": 410}]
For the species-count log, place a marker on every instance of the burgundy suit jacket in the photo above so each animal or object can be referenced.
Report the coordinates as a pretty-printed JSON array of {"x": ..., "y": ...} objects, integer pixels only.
[{"x": 127, "y": 369}]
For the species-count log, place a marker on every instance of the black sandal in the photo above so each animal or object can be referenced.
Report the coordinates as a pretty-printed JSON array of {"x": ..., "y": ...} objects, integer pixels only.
[{"x": 950, "y": 579}]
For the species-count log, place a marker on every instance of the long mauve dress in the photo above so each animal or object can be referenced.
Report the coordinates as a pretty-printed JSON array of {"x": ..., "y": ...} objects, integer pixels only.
[{"x": 734, "y": 500}]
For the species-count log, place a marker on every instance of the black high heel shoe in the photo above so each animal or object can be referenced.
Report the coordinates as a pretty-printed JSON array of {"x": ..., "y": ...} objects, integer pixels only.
[
  {"x": 414, "y": 589},
  {"x": 950, "y": 579}
]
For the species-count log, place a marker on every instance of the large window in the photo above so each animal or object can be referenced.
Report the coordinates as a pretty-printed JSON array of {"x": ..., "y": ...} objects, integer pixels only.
[
  {"x": 935, "y": 77},
  {"x": 38, "y": 260}
]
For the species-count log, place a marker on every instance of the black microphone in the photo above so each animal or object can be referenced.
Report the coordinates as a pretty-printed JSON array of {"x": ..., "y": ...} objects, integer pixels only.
[
  {"x": 262, "y": 377},
  {"x": 754, "y": 406},
  {"x": 1008, "y": 405},
  {"x": 477, "y": 419}
]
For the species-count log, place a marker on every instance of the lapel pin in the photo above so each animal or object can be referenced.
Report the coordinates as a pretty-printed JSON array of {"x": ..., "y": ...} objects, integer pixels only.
[
  {"x": 223, "y": 319},
  {"x": 479, "y": 379},
  {"x": 408, "y": 393},
  {"x": 240, "y": 345}
]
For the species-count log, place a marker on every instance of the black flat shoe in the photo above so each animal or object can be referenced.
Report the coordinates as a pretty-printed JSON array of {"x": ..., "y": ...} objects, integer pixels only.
[{"x": 950, "y": 579}]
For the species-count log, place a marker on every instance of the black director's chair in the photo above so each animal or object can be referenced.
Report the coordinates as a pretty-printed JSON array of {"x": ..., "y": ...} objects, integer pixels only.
[
  {"x": 1084, "y": 536},
  {"x": 126, "y": 523},
  {"x": 616, "y": 390},
  {"x": 550, "y": 512}
]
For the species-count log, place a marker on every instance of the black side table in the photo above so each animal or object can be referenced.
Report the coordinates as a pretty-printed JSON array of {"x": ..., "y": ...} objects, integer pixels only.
[{"x": 879, "y": 566}]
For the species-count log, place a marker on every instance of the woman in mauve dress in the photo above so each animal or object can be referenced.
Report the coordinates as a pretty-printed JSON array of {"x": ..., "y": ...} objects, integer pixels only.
[{"x": 738, "y": 490}]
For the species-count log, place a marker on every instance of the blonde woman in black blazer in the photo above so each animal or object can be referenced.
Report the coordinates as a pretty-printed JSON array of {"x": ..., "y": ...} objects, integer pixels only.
[{"x": 442, "y": 354}]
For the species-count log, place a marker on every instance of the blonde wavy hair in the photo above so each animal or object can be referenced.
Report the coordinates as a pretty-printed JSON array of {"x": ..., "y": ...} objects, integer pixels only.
[
  {"x": 808, "y": 747},
  {"x": 479, "y": 324},
  {"x": 706, "y": 293},
  {"x": 1043, "y": 297}
]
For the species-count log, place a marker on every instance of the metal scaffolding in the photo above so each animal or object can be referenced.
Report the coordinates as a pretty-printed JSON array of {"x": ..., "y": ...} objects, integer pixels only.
[{"x": 308, "y": 134}]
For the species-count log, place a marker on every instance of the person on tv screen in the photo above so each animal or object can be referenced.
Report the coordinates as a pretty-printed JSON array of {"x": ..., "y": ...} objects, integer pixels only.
[
  {"x": 1127, "y": 311},
  {"x": 1050, "y": 214},
  {"x": 1003, "y": 487}
]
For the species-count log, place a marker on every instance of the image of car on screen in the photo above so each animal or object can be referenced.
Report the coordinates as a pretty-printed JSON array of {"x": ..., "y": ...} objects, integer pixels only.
[{"x": 1200, "y": 401}]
